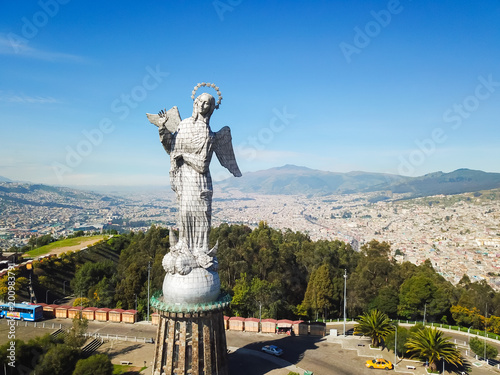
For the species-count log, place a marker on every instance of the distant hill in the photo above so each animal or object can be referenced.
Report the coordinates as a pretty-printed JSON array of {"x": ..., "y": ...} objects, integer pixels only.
[
  {"x": 456, "y": 182},
  {"x": 14, "y": 193},
  {"x": 292, "y": 180},
  {"x": 5, "y": 179}
]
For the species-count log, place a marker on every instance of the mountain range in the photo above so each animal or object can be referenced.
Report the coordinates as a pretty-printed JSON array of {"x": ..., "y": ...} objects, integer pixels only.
[{"x": 293, "y": 180}]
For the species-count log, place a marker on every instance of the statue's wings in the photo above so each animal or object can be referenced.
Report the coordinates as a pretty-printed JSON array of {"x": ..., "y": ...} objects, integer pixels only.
[
  {"x": 173, "y": 119},
  {"x": 223, "y": 148}
]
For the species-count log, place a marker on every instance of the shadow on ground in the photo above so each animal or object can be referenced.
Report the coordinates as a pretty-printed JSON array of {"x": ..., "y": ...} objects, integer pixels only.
[
  {"x": 465, "y": 368},
  {"x": 115, "y": 352},
  {"x": 294, "y": 348}
]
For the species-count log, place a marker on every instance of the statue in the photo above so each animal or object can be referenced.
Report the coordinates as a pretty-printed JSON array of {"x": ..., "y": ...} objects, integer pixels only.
[{"x": 191, "y": 144}]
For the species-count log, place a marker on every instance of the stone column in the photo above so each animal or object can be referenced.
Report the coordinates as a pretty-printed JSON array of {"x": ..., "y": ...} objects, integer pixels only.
[{"x": 191, "y": 342}]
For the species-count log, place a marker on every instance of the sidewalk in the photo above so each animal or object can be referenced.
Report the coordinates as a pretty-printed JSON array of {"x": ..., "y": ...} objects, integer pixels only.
[{"x": 362, "y": 347}]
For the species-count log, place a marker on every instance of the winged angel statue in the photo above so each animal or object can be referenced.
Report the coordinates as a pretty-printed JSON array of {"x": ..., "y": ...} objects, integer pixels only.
[{"x": 191, "y": 144}]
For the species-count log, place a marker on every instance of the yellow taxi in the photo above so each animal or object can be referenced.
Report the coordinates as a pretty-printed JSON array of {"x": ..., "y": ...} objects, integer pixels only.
[{"x": 379, "y": 363}]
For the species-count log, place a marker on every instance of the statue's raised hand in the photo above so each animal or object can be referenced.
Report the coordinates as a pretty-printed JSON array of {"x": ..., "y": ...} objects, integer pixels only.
[
  {"x": 163, "y": 117},
  {"x": 169, "y": 119}
]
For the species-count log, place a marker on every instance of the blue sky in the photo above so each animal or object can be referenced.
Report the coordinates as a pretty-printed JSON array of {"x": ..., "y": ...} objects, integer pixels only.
[{"x": 405, "y": 87}]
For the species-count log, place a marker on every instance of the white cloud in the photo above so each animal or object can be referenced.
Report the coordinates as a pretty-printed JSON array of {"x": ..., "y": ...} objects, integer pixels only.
[
  {"x": 11, "y": 47},
  {"x": 25, "y": 99}
]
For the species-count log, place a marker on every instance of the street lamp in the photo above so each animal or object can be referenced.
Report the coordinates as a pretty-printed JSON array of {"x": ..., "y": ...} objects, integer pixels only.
[
  {"x": 47, "y": 296},
  {"x": 485, "y": 323},
  {"x": 149, "y": 269},
  {"x": 260, "y": 316},
  {"x": 345, "y": 292},
  {"x": 135, "y": 301},
  {"x": 64, "y": 287},
  {"x": 395, "y": 344}
]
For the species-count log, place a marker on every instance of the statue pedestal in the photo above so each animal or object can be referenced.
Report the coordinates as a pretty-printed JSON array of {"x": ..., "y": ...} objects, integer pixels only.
[{"x": 190, "y": 339}]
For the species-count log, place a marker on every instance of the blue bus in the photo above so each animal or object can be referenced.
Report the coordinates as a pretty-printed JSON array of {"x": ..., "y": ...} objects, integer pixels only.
[{"x": 21, "y": 311}]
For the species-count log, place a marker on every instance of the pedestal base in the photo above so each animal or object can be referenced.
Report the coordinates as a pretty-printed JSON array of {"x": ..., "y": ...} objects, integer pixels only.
[{"x": 191, "y": 343}]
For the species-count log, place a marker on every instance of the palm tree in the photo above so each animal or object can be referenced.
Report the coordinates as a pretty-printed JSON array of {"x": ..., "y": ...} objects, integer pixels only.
[
  {"x": 374, "y": 324},
  {"x": 429, "y": 343}
]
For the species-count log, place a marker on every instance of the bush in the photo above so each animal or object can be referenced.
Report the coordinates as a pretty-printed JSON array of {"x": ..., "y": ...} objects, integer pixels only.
[
  {"x": 59, "y": 360},
  {"x": 98, "y": 364},
  {"x": 477, "y": 346},
  {"x": 83, "y": 301}
]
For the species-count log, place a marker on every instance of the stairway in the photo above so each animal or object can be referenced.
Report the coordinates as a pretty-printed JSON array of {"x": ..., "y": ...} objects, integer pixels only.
[{"x": 91, "y": 347}]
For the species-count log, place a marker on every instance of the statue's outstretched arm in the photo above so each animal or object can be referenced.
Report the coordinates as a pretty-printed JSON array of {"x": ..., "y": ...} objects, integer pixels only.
[{"x": 223, "y": 148}]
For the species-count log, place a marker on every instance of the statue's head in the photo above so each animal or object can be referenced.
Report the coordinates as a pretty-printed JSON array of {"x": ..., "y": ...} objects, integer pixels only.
[{"x": 204, "y": 105}]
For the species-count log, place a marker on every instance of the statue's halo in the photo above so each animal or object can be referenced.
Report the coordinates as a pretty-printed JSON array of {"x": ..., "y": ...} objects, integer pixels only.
[{"x": 207, "y": 84}]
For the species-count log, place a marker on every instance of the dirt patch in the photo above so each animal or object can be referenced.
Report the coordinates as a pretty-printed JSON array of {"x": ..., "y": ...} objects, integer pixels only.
[{"x": 86, "y": 243}]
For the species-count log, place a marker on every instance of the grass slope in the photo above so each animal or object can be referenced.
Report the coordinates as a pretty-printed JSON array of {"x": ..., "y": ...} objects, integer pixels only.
[{"x": 69, "y": 242}]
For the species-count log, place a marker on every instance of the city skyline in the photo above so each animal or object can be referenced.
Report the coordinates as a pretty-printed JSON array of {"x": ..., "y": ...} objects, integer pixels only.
[{"x": 394, "y": 87}]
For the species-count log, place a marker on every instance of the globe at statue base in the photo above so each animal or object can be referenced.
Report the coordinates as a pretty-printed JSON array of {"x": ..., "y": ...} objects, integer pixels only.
[{"x": 198, "y": 286}]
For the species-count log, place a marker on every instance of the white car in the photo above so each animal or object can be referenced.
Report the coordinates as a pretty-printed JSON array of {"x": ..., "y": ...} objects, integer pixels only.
[{"x": 272, "y": 349}]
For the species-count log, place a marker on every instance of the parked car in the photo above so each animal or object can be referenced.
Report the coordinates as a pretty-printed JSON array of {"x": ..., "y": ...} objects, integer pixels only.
[
  {"x": 379, "y": 363},
  {"x": 272, "y": 349}
]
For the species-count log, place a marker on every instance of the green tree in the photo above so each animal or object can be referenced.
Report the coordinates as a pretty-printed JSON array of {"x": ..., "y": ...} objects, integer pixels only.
[
  {"x": 373, "y": 272},
  {"x": 478, "y": 347},
  {"x": 429, "y": 343},
  {"x": 98, "y": 364},
  {"x": 426, "y": 290},
  {"x": 465, "y": 317},
  {"x": 478, "y": 295},
  {"x": 89, "y": 275},
  {"x": 386, "y": 301},
  {"x": 28, "y": 354},
  {"x": 35, "y": 241},
  {"x": 321, "y": 292},
  {"x": 374, "y": 324},
  {"x": 415, "y": 292},
  {"x": 84, "y": 302},
  {"x": 231, "y": 252},
  {"x": 242, "y": 298},
  {"x": 403, "y": 335},
  {"x": 75, "y": 337},
  {"x": 132, "y": 271},
  {"x": 103, "y": 293},
  {"x": 59, "y": 360},
  {"x": 263, "y": 293}
]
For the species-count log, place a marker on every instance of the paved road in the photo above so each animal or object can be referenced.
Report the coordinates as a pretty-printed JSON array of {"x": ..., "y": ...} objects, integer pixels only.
[
  {"x": 324, "y": 356},
  {"x": 310, "y": 353}
]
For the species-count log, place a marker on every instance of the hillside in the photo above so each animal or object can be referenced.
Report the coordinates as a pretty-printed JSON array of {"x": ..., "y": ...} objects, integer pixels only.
[
  {"x": 68, "y": 244},
  {"x": 291, "y": 180},
  {"x": 25, "y": 194},
  {"x": 456, "y": 182},
  {"x": 294, "y": 180}
]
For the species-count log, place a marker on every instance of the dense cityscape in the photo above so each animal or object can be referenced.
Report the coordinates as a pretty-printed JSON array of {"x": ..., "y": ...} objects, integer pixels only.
[{"x": 460, "y": 234}]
